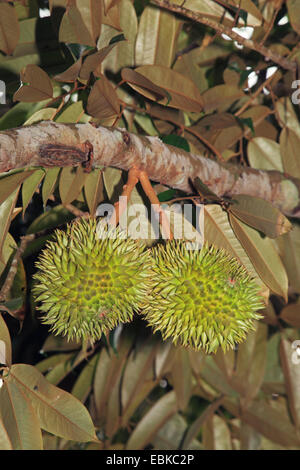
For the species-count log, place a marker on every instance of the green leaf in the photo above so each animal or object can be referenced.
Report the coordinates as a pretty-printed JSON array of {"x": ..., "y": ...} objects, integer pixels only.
[
  {"x": 151, "y": 423},
  {"x": 58, "y": 411},
  {"x": 50, "y": 219},
  {"x": 49, "y": 183},
  {"x": 195, "y": 427},
  {"x": 44, "y": 114},
  {"x": 9, "y": 248},
  {"x": 71, "y": 183},
  {"x": 10, "y": 182},
  {"x": 84, "y": 383},
  {"x": 51, "y": 362},
  {"x": 261, "y": 215},
  {"x": 93, "y": 190},
  {"x": 176, "y": 141},
  {"x": 19, "y": 418},
  {"x": 264, "y": 154},
  {"x": 5, "y": 442},
  {"x": 6, "y": 209},
  {"x": 29, "y": 187}
]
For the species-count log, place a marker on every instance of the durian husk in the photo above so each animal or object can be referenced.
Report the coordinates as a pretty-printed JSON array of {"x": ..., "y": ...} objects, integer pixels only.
[
  {"x": 201, "y": 298},
  {"x": 91, "y": 278}
]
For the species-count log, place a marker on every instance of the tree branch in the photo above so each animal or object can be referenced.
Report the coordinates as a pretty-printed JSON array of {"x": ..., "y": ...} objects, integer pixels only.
[
  {"x": 222, "y": 29},
  {"x": 49, "y": 144}
]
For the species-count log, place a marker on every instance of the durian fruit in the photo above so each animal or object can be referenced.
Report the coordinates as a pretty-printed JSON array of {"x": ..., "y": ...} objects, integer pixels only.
[
  {"x": 91, "y": 278},
  {"x": 201, "y": 298}
]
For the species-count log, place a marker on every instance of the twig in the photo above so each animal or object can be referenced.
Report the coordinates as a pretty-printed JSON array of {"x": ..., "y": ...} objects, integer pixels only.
[{"x": 194, "y": 16}]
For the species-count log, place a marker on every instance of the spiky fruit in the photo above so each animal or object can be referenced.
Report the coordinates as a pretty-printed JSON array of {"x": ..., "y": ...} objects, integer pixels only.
[
  {"x": 90, "y": 279},
  {"x": 201, "y": 298}
]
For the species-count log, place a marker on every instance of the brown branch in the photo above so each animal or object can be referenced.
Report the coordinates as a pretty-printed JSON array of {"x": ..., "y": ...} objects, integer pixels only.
[
  {"x": 168, "y": 165},
  {"x": 222, "y": 29}
]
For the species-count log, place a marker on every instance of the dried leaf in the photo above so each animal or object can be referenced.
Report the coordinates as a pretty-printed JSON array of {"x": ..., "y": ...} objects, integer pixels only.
[{"x": 261, "y": 215}]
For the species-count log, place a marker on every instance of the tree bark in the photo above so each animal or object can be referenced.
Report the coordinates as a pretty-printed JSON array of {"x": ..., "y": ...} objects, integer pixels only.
[{"x": 48, "y": 144}]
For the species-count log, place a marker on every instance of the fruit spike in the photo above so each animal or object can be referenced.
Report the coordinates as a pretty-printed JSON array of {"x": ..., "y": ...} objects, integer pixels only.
[
  {"x": 90, "y": 278},
  {"x": 201, "y": 298}
]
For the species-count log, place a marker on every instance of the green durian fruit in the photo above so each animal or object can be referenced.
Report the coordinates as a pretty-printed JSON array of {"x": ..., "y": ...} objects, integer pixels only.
[
  {"x": 201, "y": 298},
  {"x": 91, "y": 278}
]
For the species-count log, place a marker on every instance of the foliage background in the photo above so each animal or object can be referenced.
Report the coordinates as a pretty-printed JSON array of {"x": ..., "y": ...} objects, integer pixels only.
[{"x": 134, "y": 65}]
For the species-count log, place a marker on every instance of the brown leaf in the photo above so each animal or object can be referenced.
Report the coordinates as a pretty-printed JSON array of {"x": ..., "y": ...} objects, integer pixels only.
[
  {"x": 289, "y": 147},
  {"x": 291, "y": 315},
  {"x": 261, "y": 215},
  {"x": 143, "y": 85},
  {"x": 221, "y": 97},
  {"x": 71, "y": 74},
  {"x": 181, "y": 374},
  {"x": 263, "y": 256},
  {"x": 36, "y": 85},
  {"x": 183, "y": 92},
  {"x": 152, "y": 421},
  {"x": 103, "y": 101},
  {"x": 77, "y": 25},
  {"x": 9, "y": 28},
  {"x": 94, "y": 60}
]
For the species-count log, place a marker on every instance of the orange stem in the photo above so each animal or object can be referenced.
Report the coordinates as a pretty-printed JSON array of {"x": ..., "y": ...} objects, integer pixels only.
[
  {"x": 151, "y": 194},
  {"x": 120, "y": 206}
]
